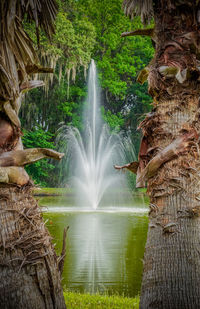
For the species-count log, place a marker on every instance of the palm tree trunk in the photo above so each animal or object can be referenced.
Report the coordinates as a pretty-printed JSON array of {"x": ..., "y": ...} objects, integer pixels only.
[
  {"x": 171, "y": 275},
  {"x": 29, "y": 273},
  {"x": 29, "y": 268}
]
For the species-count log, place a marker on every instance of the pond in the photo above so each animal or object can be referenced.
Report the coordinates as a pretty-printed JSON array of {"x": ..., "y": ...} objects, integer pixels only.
[{"x": 104, "y": 248}]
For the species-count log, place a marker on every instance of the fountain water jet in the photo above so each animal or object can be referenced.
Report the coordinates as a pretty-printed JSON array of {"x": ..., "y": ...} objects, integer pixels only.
[{"x": 93, "y": 153}]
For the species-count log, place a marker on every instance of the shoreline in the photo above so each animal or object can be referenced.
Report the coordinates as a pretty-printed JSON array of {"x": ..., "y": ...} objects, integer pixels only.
[{"x": 37, "y": 191}]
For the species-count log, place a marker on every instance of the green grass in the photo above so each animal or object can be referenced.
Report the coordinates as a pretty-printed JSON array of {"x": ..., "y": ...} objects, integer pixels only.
[
  {"x": 51, "y": 191},
  {"x": 64, "y": 191},
  {"x": 97, "y": 301}
]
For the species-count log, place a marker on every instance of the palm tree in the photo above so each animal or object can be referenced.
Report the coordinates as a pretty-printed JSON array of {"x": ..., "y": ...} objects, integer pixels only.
[
  {"x": 29, "y": 268},
  {"x": 169, "y": 153}
]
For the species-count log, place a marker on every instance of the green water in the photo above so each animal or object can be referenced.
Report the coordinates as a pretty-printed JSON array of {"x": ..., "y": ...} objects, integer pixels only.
[{"x": 104, "y": 249}]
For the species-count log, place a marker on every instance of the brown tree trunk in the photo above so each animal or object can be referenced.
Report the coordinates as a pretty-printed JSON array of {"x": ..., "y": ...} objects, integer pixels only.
[
  {"x": 171, "y": 276},
  {"x": 29, "y": 268},
  {"x": 29, "y": 275}
]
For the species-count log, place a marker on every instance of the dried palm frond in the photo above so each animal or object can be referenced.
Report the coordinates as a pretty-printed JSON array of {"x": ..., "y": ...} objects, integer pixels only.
[
  {"x": 143, "y": 8},
  {"x": 17, "y": 54},
  {"x": 42, "y": 12}
]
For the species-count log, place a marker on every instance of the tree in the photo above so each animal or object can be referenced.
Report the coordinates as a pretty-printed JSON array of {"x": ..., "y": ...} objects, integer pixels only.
[
  {"x": 39, "y": 170},
  {"x": 118, "y": 59},
  {"x": 29, "y": 268},
  {"x": 169, "y": 154}
]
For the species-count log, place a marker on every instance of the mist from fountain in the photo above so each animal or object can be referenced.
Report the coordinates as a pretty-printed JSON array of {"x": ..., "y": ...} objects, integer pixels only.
[{"x": 93, "y": 152}]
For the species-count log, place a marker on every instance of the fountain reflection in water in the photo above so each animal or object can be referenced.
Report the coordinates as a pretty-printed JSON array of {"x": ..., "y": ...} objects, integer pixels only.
[{"x": 93, "y": 153}]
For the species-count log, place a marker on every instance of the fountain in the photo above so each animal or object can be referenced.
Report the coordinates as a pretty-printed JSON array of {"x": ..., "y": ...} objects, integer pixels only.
[
  {"x": 99, "y": 236},
  {"x": 93, "y": 153}
]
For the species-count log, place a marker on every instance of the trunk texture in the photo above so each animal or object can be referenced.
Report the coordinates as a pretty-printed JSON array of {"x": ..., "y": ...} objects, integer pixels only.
[
  {"x": 29, "y": 275},
  {"x": 171, "y": 163},
  {"x": 29, "y": 268},
  {"x": 171, "y": 275}
]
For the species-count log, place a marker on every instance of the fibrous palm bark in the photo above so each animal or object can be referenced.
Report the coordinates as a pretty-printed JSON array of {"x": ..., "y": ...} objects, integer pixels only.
[
  {"x": 29, "y": 268},
  {"x": 169, "y": 156}
]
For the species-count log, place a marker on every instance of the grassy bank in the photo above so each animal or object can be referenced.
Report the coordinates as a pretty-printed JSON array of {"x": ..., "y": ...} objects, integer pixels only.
[
  {"x": 65, "y": 191},
  {"x": 97, "y": 301},
  {"x": 51, "y": 191}
]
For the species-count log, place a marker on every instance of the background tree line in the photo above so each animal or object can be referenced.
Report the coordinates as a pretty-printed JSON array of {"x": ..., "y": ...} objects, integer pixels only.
[{"x": 85, "y": 29}]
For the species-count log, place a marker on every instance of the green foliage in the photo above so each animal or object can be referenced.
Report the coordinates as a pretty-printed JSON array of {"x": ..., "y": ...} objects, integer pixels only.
[
  {"x": 72, "y": 43},
  {"x": 40, "y": 170},
  {"x": 137, "y": 105},
  {"x": 75, "y": 39},
  {"x": 97, "y": 301},
  {"x": 119, "y": 61},
  {"x": 115, "y": 121}
]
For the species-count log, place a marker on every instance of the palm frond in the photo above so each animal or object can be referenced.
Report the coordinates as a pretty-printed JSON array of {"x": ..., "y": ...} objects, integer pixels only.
[
  {"x": 143, "y": 8},
  {"x": 18, "y": 58},
  {"x": 17, "y": 54},
  {"x": 42, "y": 12}
]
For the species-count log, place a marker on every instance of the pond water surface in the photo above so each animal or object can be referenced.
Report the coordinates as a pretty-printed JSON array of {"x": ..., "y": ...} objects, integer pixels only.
[{"x": 104, "y": 248}]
